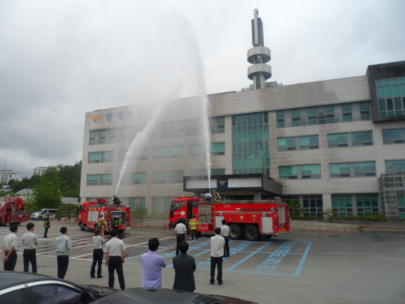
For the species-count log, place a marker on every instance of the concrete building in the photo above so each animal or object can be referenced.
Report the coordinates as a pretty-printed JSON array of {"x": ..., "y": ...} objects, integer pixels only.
[
  {"x": 8, "y": 175},
  {"x": 331, "y": 144},
  {"x": 40, "y": 170}
]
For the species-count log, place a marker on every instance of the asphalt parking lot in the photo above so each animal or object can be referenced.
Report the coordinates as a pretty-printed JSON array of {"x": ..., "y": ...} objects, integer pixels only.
[{"x": 296, "y": 267}]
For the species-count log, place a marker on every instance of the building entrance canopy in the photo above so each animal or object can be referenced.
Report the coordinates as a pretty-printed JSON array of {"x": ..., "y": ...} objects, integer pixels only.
[{"x": 236, "y": 184}]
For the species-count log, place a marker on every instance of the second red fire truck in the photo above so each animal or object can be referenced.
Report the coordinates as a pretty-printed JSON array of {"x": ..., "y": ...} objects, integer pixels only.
[
  {"x": 12, "y": 211},
  {"x": 91, "y": 211},
  {"x": 250, "y": 219}
]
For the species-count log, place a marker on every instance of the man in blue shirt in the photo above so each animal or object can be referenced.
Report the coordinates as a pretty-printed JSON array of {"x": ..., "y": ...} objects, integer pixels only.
[{"x": 152, "y": 264}]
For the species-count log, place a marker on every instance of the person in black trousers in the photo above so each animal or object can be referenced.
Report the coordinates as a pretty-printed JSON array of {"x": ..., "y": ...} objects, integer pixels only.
[
  {"x": 10, "y": 249},
  {"x": 98, "y": 241},
  {"x": 47, "y": 225},
  {"x": 114, "y": 259},
  {"x": 63, "y": 244},
  {"x": 184, "y": 267},
  {"x": 30, "y": 242}
]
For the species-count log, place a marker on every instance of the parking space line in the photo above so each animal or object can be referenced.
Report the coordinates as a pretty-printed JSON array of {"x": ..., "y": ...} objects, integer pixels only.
[
  {"x": 249, "y": 256},
  {"x": 303, "y": 259}
]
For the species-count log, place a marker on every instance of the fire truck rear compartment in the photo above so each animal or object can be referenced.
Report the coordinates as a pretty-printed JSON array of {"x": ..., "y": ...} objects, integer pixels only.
[{"x": 121, "y": 214}]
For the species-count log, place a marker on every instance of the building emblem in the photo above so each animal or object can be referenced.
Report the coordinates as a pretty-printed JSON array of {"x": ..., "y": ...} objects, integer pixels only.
[
  {"x": 222, "y": 183},
  {"x": 95, "y": 118},
  {"x": 119, "y": 115},
  {"x": 109, "y": 116}
]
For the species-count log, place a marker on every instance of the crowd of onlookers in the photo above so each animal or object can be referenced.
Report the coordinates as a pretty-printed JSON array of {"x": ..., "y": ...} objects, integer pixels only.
[{"x": 152, "y": 263}]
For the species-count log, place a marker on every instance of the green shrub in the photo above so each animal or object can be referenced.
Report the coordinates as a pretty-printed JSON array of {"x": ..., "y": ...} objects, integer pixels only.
[
  {"x": 68, "y": 210},
  {"x": 370, "y": 218},
  {"x": 304, "y": 217}
]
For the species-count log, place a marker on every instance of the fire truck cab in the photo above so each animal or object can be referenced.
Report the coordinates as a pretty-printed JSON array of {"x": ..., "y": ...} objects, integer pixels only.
[
  {"x": 251, "y": 219},
  {"x": 91, "y": 211},
  {"x": 12, "y": 211}
]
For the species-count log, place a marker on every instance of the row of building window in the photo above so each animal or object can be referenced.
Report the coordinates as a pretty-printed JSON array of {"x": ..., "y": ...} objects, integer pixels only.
[
  {"x": 391, "y": 96},
  {"x": 353, "y": 139},
  {"x": 324, "y": 115},
  {"x": 139, "y": 178},
  {"x": 163, "y": 130},
  {"x": 358, "y": 169},
  {"x": 159, "y": 152}
]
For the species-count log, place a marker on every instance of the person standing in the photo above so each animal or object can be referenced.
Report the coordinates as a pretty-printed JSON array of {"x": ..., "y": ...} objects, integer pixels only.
[
  {"x": 152, "y": 264},
  {"x": 98, "y": 241},
  {"x": 184, "y": 267},
  {"x": 10, "y": 249},
  {"x": 47, "y": 225},
  {"x": 193, "y": 225},
  {"x": 217, "y": 253},
  {"x": 225, "y": 233},
  {"x": 208, "y": 196},
  {"x": 181, "y": 234},
  {"x": 114, "y": 258},
  {"x": 63, "y": 244},
  {"x": 102, "y": 224},
  {"x": 116, "y": 223},
  {"x": 30, "y": 242},
  {"x": 116, "y": 200}
]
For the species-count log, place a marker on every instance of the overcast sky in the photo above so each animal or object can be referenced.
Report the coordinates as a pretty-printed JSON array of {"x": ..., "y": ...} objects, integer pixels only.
[{"x": 60, "y": 59}]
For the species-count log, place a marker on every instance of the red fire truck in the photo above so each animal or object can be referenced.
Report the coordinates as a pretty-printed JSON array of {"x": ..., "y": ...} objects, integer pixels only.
[
  {"x": 12, "y": 211},
  {"x": 251, "y": 219},
  {"x": 90, "y": 212}
]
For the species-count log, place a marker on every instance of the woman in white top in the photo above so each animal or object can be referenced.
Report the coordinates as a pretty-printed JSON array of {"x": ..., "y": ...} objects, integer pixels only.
[{"x": 98, "y": 241}]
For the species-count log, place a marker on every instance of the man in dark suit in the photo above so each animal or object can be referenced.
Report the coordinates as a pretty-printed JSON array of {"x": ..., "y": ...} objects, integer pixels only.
[{"x": 184, "y": 267}]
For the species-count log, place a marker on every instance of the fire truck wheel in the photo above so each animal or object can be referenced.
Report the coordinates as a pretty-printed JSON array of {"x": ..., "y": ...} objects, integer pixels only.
[
  {"x": 252, "y": 233},
  {"x": 235, "y": 232}
]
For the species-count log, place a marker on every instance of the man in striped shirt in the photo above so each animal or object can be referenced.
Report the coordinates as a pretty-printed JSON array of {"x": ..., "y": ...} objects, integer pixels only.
[{"x": 30, "y": 242}]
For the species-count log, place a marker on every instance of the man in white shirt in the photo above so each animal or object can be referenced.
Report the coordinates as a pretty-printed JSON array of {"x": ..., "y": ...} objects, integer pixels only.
[
  {"x": 114, "y": 258},
  {"x": 181, "y": 234},
  {"x": 217, "y": 253},
  {"x": 30, "y": 242},
  {"x": 10, "y": 249},
  {"x": 225, "y": 234},
  {"x": 63, "y": 244}
]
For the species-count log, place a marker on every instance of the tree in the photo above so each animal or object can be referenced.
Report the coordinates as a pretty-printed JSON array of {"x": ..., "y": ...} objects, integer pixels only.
[
  {"x": 68, "y": 210},
  {"x": 140, "y": 213},
  {"x": 46, "y": 192}
]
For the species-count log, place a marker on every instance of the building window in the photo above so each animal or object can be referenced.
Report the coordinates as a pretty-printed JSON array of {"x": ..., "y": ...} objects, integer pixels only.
[
  {"x": 401, "y": 206},
  {"x": 197, "y": 149},
  {"x": 355, "y": 139},
  {"x": 342, "y": 204},
  {"x": 287, "y": 144},
  {"x": 394, "y": 166},
  {"x": 123, "y": 134},
  {"x": 289, "y": 172},
  {"x": 347, "y": 112},
  {"x": 394, "y": 136},
  {"x": 93, "y": 135},
  {"x": 367, "y": 204},
  {"x": 160, "y": 177},
  {"x": 391, "y": 96},
  {"x": 330, "y": 114},
  {"x": 176, "y": 151},
  {"x": 313, "y": 205},
  {"x": 352, "y": 169},
  {"x": 296, "y": 117},
  {"x": 102, "y": 136},
  {"x": 313, "y": 116},
  {"x": 135, "y": 202},
  {"x": 310, "y": 171},
  {"x": 309, "y": 142},
  {"x": 218, "y": 149},
  {"x": 300, "y": 172},
  {"x": 280, "y": 119},
  {"x": 94, "y": 157},
  {"x": 217, "y": 171},
  {"x": 365, "y": 111},
  {"x": 139, "y": 178},
  {"x": 112, "y": 136},
  {"x": 161, "y": 204},
  {"x": 93, "y": 180},
  {"x": 362, "y": 138},
  {"x": 217, "y": 125},
  {"x": 198, "y": 172},
  {"x": 168, "y": 177},
  {"x": 106, "y": 179},
  {"x": 339, "y": 170},
  {"x": 160, "y": 152}
]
